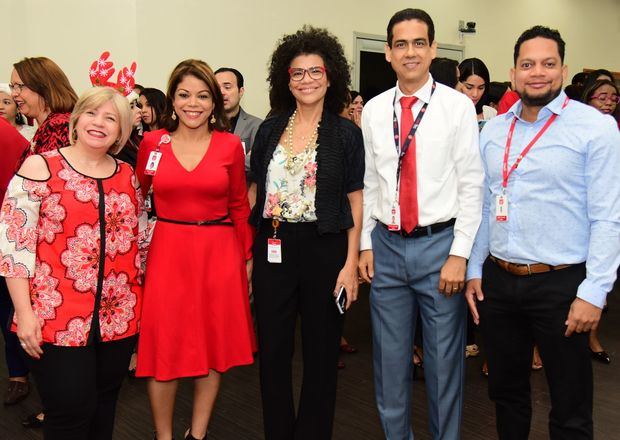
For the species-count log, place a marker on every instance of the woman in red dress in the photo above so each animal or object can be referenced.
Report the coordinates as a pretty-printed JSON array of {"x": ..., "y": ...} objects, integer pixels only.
[
  {"x": 69, "y": 233},
  {"x": 196, "y": 316}
]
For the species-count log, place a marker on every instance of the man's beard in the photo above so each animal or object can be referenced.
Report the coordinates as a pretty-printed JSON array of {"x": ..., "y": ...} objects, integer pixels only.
[{"x": 540, "y": 101}]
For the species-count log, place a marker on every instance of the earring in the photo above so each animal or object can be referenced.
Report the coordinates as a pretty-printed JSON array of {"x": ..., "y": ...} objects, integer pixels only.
[
  {"x": 174, "y": 116},
  {"x": 212, "y": 120}
]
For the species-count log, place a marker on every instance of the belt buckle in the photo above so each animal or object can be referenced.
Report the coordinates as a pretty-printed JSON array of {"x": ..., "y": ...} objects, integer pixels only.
[{"x": 200, "y": 222}]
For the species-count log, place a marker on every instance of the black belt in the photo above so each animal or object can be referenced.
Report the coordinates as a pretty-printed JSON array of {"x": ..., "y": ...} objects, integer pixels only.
[
  {"x": 423, "y": 231},
  {"x": 218, "y": 221}
]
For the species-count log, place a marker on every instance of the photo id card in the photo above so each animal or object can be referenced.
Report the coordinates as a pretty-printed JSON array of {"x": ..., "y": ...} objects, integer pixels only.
[
  {"x": 501, "y": 208},
  {"x": 394, "y": 224},
  {"x": 274, "y": 250},
  {"x": 152, "y": 163}
]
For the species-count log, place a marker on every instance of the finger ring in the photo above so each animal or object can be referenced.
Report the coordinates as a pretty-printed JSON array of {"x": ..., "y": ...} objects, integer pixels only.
[
  {"x": 454, "y": 289},
  {"x": 23, "y": 344}
]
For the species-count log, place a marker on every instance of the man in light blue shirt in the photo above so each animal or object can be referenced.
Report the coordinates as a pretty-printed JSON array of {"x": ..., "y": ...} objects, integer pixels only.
[{"x": 548, "y": 247}]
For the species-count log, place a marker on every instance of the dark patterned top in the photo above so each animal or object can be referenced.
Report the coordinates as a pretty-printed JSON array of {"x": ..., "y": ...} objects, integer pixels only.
[
  {"x": 51, "y": 135},
  {"x": 76, "y": 238}
]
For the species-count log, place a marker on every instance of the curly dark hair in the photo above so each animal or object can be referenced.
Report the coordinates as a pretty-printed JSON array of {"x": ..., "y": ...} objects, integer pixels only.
[{"x": 308, "y": 41}]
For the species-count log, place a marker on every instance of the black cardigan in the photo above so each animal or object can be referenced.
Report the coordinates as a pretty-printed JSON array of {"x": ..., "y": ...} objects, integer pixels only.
[{"x": 340, "y": 168}]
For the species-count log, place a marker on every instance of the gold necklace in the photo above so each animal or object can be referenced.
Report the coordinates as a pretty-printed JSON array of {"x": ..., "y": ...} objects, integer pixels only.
[{"x": 294, "y": 163}]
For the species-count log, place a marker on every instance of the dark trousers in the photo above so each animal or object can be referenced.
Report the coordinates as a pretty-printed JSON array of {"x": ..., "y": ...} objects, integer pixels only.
[
  {"x": 79, "y": 387},
  {"x": 302, "y": 284},
  {"x": 15, "y": 361},
  {"x": 517, "y": 312}
]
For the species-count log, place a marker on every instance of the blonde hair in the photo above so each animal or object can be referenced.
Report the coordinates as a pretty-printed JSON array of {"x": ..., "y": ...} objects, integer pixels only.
[{"x": 95, "y": 98}]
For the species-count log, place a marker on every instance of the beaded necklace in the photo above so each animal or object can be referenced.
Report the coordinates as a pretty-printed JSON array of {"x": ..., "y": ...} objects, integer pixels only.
[{"x": 295, "y": 163}]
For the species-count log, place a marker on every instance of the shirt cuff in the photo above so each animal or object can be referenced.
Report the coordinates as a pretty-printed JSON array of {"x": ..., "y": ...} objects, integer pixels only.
[
  {"x": 474, "y": 270},
  {"x": 461, "y": 246},
  {"x": 365, "y": 240},
  {"x": 590, "y": 292}
]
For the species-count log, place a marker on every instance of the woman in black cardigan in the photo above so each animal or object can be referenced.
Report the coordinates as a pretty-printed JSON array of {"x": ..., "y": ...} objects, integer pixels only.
[{"x": 307, "y": 169}]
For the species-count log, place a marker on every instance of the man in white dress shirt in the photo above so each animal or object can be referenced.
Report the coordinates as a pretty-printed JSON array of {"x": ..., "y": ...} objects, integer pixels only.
[{"x": 422, "y": 207}]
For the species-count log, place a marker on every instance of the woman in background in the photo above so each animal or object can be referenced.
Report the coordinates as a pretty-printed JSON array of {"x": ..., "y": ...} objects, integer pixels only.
[
  {"x": 9, "y": 111},
  {"x": 129, "y": 152},
  {"x": 42, "y": 92},
  {"x": 474, "y": 82},
  {"x": 153, "y": 105}
]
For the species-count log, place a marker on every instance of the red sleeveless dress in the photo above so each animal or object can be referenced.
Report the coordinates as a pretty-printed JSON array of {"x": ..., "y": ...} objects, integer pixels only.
[{"x": 196, "y": 315}]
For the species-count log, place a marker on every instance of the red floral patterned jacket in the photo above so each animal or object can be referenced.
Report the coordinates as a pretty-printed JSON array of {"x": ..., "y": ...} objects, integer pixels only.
[{"x": 76, "y": 238}]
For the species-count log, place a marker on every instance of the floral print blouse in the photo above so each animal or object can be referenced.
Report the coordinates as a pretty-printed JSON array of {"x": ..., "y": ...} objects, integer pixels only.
[
  {"x": 76, "y": 239},
  {"x": 51, "y": 135},
  {"x": 290, "y": 197}
]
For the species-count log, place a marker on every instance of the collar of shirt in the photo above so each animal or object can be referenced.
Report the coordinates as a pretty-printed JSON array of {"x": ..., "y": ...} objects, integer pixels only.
[
  {"x": 554, "y": 106},
  {"x": 423, "y": 93}
]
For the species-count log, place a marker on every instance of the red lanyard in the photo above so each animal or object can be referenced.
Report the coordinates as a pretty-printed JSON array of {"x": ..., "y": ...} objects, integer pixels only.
[{"x": 505, "y": 172}]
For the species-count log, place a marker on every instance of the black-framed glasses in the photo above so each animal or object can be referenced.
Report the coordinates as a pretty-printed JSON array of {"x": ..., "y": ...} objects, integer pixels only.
[
  {"x": 604, "y": 97},
  {"x": 297, "y": 74},
  {"x": 17, "y": 87}
]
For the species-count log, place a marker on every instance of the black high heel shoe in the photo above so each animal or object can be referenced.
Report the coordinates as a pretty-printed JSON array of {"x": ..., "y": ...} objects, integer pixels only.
[{"x": 601, "y": 356}]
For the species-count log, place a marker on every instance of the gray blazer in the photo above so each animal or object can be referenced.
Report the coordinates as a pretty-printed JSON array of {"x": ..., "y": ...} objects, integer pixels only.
[{"x": 247, "y": 126}]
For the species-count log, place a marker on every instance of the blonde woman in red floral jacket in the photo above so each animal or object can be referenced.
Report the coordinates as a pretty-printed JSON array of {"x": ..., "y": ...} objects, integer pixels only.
[{"x": 70, "y": 226}]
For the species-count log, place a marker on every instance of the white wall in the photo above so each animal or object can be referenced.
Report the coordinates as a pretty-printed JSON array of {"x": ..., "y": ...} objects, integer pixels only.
[{"x": 243, "y": 33}]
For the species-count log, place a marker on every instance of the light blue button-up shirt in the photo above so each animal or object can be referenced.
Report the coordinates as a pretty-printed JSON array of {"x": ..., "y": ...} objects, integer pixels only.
[{"x": 563, "y": 199}]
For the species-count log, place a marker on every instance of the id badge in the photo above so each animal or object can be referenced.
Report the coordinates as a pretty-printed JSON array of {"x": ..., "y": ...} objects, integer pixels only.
[
  {"x": 274, "y": 250},
  {"x": 152, "y": 163},
  {"x": 394, "y": 224},
  {"x": 501, "y": 208}
]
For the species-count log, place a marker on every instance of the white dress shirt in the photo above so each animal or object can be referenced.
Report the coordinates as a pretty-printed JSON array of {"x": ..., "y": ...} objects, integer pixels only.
[{"x": 449, "y": 169}]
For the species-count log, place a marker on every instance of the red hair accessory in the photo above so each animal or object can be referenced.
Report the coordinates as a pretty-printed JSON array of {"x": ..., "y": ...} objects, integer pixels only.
[{"x": 101, "y": 70}]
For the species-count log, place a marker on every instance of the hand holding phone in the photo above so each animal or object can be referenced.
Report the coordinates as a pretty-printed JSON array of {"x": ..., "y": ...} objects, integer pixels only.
[{"x": 341, "y": 301}]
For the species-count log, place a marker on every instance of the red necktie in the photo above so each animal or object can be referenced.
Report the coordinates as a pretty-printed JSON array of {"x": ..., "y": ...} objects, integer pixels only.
[{"x": 408, "y": 196}]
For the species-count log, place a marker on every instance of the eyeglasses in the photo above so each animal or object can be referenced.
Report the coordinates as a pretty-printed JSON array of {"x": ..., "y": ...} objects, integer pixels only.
[
  {"x": 604, "y": 97},
  {"x": 17, "y": 87},
  {"x": 298, "y": 74}
]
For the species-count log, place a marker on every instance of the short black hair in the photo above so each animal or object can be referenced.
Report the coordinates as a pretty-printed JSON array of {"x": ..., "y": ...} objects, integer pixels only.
[
  {"x": 443, "y": 71},
  {"x": 579, "y": 78},
  {"x": 237, "y": 74},
  {"x": 574, "y": 91},
  {"x": 496, "y": 91},
  {"x": 307, "y": 41},
  {"x": 411, "y": 14},
  {"x": 542, "y": 32}
]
